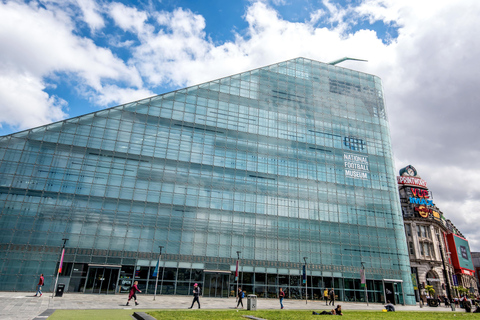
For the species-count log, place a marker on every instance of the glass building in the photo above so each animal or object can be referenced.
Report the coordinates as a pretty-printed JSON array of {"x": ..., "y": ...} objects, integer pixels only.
[{"x": 288, "y": 164}]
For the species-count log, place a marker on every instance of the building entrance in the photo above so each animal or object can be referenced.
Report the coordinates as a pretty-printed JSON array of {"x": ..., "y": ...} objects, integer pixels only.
[
  {"x": 394, "y": 291},
  {"x": 102, "y": 279},
  {"x": 216, "y": 284}
]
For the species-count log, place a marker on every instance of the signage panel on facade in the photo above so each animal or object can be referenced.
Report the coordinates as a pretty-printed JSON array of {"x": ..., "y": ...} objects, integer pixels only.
[
  {"x": 460, "y": 250},
  {"x": 412, "y": 181}
]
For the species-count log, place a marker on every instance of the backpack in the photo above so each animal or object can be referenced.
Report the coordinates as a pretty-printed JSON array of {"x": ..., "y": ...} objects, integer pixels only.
[{"x": 243, "y": 294}]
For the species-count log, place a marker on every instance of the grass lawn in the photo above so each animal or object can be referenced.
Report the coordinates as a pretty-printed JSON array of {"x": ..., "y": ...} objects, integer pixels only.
[{"x": 265, "y": 314}]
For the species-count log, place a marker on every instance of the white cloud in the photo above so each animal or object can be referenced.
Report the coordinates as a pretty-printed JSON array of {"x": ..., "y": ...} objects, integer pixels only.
[
  {"x": 167, "y": 55},
  {"x": 128, "y": 18},
  {"x": 180, "y": 54},
  {"x": 91, "y": 14},
  {"x": 112, "y": 94},
  {"x": 26, "y": 103},
  {"x": 316, "y": 15},
  {"x": 42, "y": 44}
]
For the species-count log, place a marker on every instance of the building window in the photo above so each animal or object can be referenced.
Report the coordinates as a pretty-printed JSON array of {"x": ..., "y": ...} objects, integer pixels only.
[
  {"x": 411, "y": 247},
  {"x": 428, "y": 234},
  {"x": 408, "y": 230},
  {"x": 432, "y": 251},
  {"x": 424, "y": 232},
  {"x": 354, "y": 143}
]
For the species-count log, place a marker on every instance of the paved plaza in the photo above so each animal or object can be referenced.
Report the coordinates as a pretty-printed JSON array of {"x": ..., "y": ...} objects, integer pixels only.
[{"x": 25, "y": 306}]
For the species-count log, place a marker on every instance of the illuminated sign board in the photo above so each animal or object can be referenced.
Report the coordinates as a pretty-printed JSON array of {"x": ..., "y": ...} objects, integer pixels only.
[
  {"x": 423, "y": 211},
  {"x": 460, "y": 250},
  {"x": 436, "y": 215},
  {"x": 420, "y": 196},
  {"x": 356, "y": 166},
  {"x": 425, "y": 202},
  {"x": 412, "y": 181},
  {"x": 420, "y": 193}
]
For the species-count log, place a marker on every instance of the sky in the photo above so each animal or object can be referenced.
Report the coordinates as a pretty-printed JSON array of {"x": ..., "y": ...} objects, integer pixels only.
[{"x": 64, "y": 58}]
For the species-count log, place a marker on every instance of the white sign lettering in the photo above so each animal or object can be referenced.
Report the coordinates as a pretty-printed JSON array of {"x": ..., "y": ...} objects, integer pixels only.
[
  {"x": 412, "y": 181},
  {"x": 356, "y": 166}
]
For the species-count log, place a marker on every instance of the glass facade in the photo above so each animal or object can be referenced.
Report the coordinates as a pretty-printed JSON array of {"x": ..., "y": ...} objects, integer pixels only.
[{"x": 283, "y": 162}]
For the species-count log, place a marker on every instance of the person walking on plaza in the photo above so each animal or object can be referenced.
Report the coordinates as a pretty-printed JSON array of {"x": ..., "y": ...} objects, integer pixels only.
[
  {"x": 281, "y": 295},
  {"x": 196, "y": 294},
  {"x": 133, "y": 293},
  {"x": 240, "y": 296},
  {"x": 325, "y": 296},
  {"x": 40, "y": 285},
  {"x": 331, "y": 294}
]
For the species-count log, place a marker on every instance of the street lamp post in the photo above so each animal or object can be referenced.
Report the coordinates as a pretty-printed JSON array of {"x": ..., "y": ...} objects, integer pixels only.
[
  {"x": 364, "y": 279},
  {"x": 445, "y": 275},
  {"x": 158, "y": 271},
  {"x": 237, "y": 273},
  {"x": 59, "y": 266},
  {"x": 306, "y": 290}
]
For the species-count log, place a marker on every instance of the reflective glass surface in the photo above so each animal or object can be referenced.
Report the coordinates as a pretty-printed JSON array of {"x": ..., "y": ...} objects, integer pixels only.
[{"x": 283, "y": 162}]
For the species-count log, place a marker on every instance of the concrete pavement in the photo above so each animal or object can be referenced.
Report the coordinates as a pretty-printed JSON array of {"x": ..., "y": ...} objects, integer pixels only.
[{"x": 25, "y": 306}]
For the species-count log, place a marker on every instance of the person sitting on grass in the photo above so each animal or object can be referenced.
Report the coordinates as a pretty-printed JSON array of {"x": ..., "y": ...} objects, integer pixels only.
[
  {"x": 477, "y": 310},
  {"x": 338, "y": 310},
  {"x": 389, "y": 306}
]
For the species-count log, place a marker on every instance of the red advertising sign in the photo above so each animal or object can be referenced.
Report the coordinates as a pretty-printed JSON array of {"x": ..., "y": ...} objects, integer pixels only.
[
  {"x": 460, "y": 253},
  {"x": 420, "y": 193},
  {"x": 412, "y": 181}
]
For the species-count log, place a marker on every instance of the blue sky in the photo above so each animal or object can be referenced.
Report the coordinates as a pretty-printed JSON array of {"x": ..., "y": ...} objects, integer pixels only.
[{"x": 64, "y": 58}]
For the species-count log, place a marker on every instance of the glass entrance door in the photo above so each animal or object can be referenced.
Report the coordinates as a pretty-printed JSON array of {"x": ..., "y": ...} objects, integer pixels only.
[
  {"x": 216, "y": 285},
  {"x": 102, "y": 280}
]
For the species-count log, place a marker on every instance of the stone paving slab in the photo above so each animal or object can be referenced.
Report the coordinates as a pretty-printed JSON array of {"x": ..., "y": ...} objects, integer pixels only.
[{"x": 25, "y": 306}]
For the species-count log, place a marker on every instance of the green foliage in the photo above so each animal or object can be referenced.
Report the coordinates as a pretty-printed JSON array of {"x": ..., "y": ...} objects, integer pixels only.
[
  {"x": 430, "y": 290},
  {"x": 462, "y": 290}
]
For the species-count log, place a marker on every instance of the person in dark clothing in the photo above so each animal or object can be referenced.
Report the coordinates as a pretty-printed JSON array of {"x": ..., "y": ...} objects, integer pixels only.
[
  {"x": 196, "y": 294},
  {"x": 133, "y": 293},
  {"x": 467, "y": 305},
  {"x": 240, "y": 296},
  {"x": 389, "y": 306},
  {"x": 477, "y": 309},
  {"x": 329, "y": 313},
  {"x": 338, "y": 310},
  {"x": 446, "y": 301},
  {"x": 39, "y": 286},
  {"x": 331, "y": 295}
]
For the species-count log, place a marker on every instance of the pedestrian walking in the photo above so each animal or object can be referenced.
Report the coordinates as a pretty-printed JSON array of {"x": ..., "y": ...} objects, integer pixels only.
[
  {"x": 325, "y": 296},
  {"x": 332, "y": 297},
  {"x": 240, "y": 296},
  {"x": 281, "y": 295},
  {"x": 196, "y": 294},
  {"x": 133, "y": 293},
  {"x": 40, "y": 285}
]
